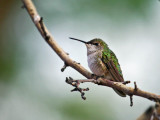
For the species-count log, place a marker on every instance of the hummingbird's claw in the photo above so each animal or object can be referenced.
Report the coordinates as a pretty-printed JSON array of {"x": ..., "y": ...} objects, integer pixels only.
[{"x": 95, "y": 76}]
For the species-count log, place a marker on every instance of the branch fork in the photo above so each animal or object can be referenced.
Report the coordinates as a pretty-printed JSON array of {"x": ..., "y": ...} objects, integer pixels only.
[{"x": 76, "y": 84}]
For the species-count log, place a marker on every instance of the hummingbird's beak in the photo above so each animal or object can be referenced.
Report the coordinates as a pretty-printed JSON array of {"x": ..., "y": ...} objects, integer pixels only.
[{"x": 78, "y": 40}]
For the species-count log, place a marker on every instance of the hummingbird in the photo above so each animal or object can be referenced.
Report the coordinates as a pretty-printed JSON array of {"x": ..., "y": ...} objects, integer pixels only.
[{"x": 103, "y": 62}]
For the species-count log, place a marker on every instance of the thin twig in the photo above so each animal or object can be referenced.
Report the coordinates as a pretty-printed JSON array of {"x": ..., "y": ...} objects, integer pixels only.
[
  {"x": 135, "y": 86},
  {"x": 64, "y": 67},
  {"x": 131, "y": 100},
  {"x": 76, "y": 84}
]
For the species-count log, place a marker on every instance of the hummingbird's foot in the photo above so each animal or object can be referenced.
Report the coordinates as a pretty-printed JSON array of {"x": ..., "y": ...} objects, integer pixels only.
[
  {"x": 96, "y": 77},
  {"x": 93, "y": 76}
]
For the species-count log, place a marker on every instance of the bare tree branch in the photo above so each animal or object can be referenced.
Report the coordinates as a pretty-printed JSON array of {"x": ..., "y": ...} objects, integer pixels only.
[{"x": 37, "y": 20}]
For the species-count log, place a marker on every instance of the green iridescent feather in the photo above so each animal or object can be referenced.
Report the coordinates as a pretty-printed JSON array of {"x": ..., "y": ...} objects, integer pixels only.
[{"x": 108, "y": 55}]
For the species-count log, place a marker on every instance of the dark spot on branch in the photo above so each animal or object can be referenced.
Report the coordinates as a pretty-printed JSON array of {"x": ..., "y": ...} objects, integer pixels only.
[
  {"x": 64, "y": 67},
  {"x": 76, "y": 62},
  {"x": 43, "y": 29},
  {"x": 152, "y": 99},
  {"x": 126, "y": 82},
  {"x": 67, "y": 53}
]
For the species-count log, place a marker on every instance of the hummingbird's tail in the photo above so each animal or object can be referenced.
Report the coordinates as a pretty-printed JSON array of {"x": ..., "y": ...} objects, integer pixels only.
[{"x": 120, "y": 93}]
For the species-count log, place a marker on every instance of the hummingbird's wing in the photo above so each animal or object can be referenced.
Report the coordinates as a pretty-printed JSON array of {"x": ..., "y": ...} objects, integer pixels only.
[{"x": 111, "y": 62}]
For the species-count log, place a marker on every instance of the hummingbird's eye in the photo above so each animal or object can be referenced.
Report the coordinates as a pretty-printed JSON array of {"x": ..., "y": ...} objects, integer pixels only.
[{"x": 96, "y": 44}]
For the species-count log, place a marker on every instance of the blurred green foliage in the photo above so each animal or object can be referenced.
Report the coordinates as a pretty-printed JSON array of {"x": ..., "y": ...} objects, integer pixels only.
[
  {"x": 113, "y": 9},
  {"x": 86, "y": 111},
  {"x": 118, "y": 11}
]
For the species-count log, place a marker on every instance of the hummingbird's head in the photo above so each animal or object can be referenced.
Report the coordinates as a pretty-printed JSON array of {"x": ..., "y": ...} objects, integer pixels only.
[{"x": 95, "y": 45}]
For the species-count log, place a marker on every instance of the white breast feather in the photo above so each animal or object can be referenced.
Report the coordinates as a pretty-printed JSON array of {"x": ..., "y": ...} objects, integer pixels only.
[{"x": 95, "y": 64}]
